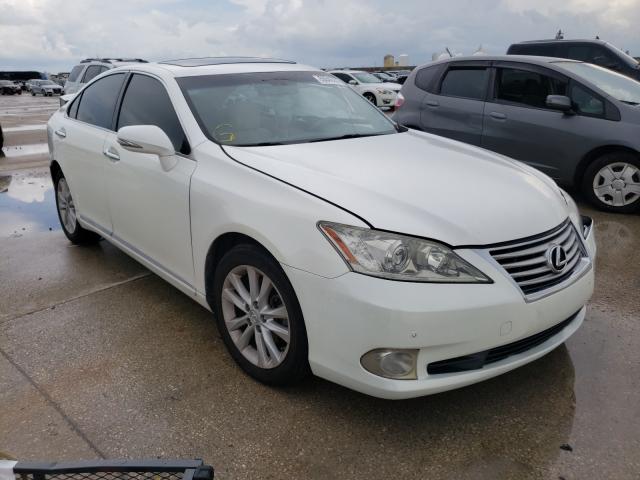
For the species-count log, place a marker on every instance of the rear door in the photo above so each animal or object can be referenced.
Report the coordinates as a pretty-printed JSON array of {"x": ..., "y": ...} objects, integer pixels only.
[
  {"x": 80, "y": 142},
  {"x": 518, "y": 123},
  {"x": 455, "y": 108},
  {"x": 150, "y": 206}
]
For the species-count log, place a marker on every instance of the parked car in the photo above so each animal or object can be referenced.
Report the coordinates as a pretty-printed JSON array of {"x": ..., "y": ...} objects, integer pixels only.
[
  {"x": 385, "y": 77},
  {"x": 399, "y": 73},
  {"x": 46, "y": 88},
  {"x": 7, "y": 87},
  {"x": 575, "y": 121},
  {"x": 595, "y": 51},
  {"x": 1, "y": 139},
  {"x": 89, "y": 68},
  {"x": 369, "y": 86},
  {"x": 315, "y": 253}
]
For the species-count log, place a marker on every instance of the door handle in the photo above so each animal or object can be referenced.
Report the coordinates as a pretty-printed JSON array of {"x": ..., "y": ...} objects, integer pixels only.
[
  {"x": 112, "y": 154},
  {"x": 62, "y": 133},
  {"x": 498, "y": 116},
  {"x": 432, "y": 103}
]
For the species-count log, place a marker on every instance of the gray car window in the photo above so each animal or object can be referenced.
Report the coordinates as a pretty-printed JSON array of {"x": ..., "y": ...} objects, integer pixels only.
[
  {"x": 465, "y": 82},
  {"x": 424, "y": 78},
  {"x": 586, "y": 102},
  {"x": 75, "y": 73},
  {"x": 99, "y": 100},
  {"x": 526, "y": 87},
  {"x": 92, "y": 71}
]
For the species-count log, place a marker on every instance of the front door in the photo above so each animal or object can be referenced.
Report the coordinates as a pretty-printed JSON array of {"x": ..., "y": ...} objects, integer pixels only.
[
  {"x": 455, "y": 109},
  {"x": 150, "y": 206},
  {"x": 518, "y": 123}
]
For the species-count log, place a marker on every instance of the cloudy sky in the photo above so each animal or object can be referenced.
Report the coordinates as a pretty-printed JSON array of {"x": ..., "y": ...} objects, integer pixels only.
[{"x": 52, "y": 35}]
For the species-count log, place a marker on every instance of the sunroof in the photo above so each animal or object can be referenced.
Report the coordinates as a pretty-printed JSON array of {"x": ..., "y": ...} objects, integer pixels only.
[{"x": 199, "y": 62}]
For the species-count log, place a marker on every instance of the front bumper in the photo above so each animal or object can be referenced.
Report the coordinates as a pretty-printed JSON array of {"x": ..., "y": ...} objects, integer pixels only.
[
  {"x": 350, "y": 315},
  {"x": 386, "y": 100}
]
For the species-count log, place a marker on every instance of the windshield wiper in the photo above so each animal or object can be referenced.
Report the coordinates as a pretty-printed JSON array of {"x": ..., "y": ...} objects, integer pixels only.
[
  {"x": 261, "y": 144},
  {"x": 346, "y": 136}
]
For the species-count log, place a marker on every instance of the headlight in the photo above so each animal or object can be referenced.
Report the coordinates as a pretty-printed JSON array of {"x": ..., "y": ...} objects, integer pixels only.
[
  {"x": 384, "y": 92},
  {"x": 399, "y": 257}
]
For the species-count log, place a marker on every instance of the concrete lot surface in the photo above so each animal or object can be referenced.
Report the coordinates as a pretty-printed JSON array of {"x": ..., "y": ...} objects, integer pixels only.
[{"x": 100, "y": 358}]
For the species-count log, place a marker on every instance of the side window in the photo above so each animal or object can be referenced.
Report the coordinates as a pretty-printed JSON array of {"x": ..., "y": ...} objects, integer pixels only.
[
  {"x": 424, "y": 78},
  {"x": 75, "y": 73},
  {"x": 146, "y": 102},
  {"x": 72, "y": 111},
  {"x": 99, "y": 100},
  {"x": 527, "y": 88},
  {"x": 465, "y": 82},
  {"x": 344, "y": 77},
  {"x": 585, "y": 102},
  {"x": 92, "y": 71},
  {"x": 603, "y": 57}
]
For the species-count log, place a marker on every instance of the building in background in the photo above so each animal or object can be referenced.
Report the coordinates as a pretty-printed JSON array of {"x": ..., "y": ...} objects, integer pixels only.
[
  {"x": 403, "y": 60},
  {"x": 389, "y": 61}
]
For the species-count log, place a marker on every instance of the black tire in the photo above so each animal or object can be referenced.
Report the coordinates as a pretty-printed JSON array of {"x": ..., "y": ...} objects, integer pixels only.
[
  {"x": 79, "y": 235},
  {"x": 371, "y": 97},
  {"x": 596, "y": 166},
  {"x": 33, "y": 94},
  {"x": 295, "y": 366}
]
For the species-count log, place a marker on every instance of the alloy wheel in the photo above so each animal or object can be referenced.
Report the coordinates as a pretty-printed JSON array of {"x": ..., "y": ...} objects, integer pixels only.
[
  {"x": 66, "y": 207},
  {"x": 255, "y": 316},
  {"x": 617, "y": 184}
]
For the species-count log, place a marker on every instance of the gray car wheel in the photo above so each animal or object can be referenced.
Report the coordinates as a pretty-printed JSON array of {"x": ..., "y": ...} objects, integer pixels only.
[{"x": 612, "y": 182}]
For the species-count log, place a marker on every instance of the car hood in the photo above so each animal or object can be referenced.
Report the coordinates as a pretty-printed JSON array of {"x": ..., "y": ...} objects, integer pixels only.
[{"x": 419, "y": 184}]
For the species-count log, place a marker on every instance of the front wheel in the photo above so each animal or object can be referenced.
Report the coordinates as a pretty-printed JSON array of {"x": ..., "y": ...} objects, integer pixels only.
[
  {"x": 259, "y": 316},
  {"x": 371, "y": 97},
  {"x": 612, "y": 182},
  {"x": 68, "y": 215}
]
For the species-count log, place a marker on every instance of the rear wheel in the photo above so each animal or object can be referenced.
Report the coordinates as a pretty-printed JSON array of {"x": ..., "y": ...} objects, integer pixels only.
[
  {"x": 68, "y": 215},
  {"x": 259, "y": 316},
  {"x": 612, "y": 182}
]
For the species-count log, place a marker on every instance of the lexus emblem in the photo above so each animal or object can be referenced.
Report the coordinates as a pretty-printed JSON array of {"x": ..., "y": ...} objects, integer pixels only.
[{"x": 556, "y": 258}]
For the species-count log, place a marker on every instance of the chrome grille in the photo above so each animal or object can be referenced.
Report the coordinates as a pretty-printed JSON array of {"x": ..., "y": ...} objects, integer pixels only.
[{"x": 526, "y": 260}]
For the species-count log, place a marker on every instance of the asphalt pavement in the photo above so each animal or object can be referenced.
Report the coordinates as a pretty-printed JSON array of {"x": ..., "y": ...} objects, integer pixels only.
[{"x": 99, "y": 358}]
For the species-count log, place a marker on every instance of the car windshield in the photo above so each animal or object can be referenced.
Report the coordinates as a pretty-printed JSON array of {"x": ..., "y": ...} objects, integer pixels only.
[
  {"x": 47, "y": 82},
  {"x": 627, "y": 58},
  {"x": 614, "y": 84},
  {"x": 277, "y": 108},
  {"x": 364, "y": 77}
]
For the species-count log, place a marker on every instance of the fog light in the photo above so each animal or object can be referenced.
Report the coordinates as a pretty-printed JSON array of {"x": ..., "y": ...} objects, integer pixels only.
[{"x": 399, "y": 364}]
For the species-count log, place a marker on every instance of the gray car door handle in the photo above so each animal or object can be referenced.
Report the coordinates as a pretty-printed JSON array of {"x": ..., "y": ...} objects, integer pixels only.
[
  {"x": 432, "y": 103},
  {"x": 112, "y": 154},
  {"x": 498, "y": 116},
  {"x": 62, "y": 133}
]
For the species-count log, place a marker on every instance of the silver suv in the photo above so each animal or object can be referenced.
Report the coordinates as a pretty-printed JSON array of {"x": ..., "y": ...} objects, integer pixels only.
[{"x": 92, "y": 67}]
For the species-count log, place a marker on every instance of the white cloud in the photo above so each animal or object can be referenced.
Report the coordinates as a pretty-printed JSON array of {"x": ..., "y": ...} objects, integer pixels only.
[{"x": 47, "y": 34}]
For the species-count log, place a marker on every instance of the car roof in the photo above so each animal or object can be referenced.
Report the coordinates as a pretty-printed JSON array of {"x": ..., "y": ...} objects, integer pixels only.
[
  {"x": 536, "y": 60},
  {"x": 217, "y": 66},
  {"x": 562, "y": 40}
]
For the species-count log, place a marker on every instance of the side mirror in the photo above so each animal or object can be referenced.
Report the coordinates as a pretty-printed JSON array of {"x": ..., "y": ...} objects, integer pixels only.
[
  {"x": 149, "y": 139},
  {"x": 352, "y": 82},
  {"x": 561, "y": 103}
]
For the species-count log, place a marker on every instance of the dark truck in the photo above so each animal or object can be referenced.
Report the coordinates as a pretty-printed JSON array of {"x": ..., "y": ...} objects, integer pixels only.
[{"x": 594, "y": 51}]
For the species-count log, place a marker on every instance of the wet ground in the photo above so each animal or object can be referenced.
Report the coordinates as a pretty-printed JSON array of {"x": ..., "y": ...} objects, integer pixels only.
[{"x": 100, "y": 358}]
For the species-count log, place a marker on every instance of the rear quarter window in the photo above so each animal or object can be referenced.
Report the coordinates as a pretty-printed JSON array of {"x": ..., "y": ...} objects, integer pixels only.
[
  {"x": 426, "y": 78},
  {"x": 75, "y": 73}
]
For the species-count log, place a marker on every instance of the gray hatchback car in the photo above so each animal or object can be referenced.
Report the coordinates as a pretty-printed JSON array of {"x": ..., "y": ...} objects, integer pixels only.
[{"x": 577, "y": 122}]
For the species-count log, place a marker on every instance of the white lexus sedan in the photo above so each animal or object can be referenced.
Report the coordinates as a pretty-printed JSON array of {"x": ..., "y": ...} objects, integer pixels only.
[{"x": 323, "y": 237}]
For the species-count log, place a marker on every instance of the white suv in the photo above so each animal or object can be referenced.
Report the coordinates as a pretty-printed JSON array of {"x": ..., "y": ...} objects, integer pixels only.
[
  {"x": 89, "y": 68},
  {"x": 323, "y": 236},
  {"x": 381, "y": 94}
]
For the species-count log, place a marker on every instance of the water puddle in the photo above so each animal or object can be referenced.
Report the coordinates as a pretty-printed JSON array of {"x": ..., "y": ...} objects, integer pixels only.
[
  {"x": 24, "y": 128},
  {"x": 24, "y": 150},
  {"x": 27, "y": 203}
]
